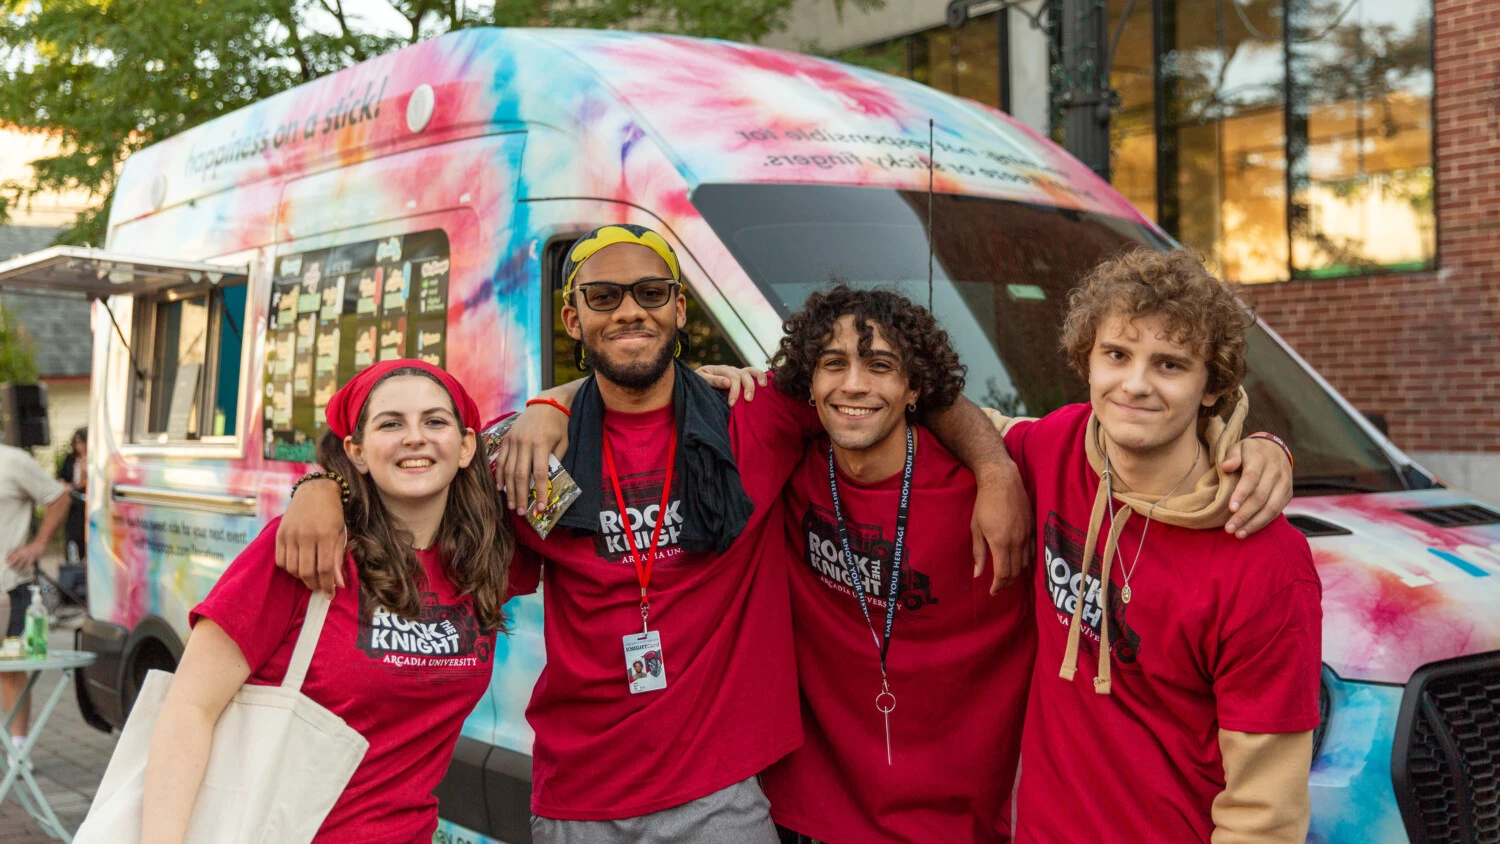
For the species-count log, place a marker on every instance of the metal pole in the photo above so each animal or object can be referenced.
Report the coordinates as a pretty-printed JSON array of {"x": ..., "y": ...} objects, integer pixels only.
[{"x": 1085, "y": 97}]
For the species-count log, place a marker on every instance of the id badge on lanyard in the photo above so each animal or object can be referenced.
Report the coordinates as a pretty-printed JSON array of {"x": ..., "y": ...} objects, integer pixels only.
[{"x": 645, "y": 670}]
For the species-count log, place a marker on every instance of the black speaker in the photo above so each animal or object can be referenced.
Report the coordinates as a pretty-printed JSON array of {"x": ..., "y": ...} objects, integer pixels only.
[{"x": 25, "y": 415}]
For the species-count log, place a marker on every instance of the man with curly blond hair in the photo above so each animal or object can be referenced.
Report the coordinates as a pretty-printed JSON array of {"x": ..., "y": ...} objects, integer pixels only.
[{"x": 1199, "y": 651}]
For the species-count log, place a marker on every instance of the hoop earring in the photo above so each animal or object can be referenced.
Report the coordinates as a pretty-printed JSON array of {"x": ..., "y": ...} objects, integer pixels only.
[
  {"x": 578, "y": 359},
  {"x": 677, "y": 353},
  {"x": 911, "y": 408},
  {"x": 812, "y": 402}
]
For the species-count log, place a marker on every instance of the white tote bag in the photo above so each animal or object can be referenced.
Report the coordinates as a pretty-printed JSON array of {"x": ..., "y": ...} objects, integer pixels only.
[{"x": 277, "y": 765}]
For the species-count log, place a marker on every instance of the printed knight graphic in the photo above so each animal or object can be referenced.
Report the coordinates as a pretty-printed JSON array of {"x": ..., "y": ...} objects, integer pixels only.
[
  {"x": 873, "y": 552},
  {"x": 444, "y": 638},
  {"x": 1064, "y": 553},
  {"x": 642, "y": 494}
]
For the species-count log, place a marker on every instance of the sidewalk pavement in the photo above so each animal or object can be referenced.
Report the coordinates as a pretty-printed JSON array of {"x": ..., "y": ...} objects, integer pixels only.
[
  {"x": 69, "y": 760},
  {"x": 70, "y": 756}
]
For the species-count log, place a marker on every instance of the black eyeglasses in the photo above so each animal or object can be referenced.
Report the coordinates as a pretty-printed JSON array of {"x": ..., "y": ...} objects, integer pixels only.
[{"x": 649, "y": 293}]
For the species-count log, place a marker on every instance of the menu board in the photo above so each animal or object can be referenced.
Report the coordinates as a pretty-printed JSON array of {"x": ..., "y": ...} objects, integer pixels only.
[{"x": 336, "y": 311}]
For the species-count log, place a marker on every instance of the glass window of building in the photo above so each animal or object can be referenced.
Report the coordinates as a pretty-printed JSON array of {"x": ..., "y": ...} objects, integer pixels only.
[
  {"x": 1323, "y": 171},
  {"x": 964, "y": 61},
  {"x": 1277, "y": 138},
  {"x": 1361, "y": 108}
]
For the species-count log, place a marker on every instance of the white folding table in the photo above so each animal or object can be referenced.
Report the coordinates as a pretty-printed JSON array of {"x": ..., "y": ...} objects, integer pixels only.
[{"x": 13, "y": 759}]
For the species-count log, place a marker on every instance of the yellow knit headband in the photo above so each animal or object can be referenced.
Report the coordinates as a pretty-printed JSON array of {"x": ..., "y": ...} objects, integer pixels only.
[{"x": 588, "y": 245}]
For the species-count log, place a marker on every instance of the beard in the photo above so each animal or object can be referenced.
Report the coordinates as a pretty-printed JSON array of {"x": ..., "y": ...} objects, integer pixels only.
[
  {"x": 861, "y": 440},
  {"x": 632, "y": 375}
]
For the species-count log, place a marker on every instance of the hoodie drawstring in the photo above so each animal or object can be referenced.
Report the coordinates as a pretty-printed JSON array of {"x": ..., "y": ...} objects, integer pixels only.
[{"x": 1075, "y": 629}]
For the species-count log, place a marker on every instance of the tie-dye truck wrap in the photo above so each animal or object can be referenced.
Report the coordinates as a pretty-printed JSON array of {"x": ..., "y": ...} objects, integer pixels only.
[{"x": 482, "y": 148}]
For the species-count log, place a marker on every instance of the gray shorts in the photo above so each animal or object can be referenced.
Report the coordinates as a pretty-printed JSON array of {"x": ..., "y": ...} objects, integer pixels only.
[{"x": 739, "y": 814}]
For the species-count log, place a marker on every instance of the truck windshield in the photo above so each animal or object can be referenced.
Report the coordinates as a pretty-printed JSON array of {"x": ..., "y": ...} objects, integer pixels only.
[{"x": 1001, "y": 273}]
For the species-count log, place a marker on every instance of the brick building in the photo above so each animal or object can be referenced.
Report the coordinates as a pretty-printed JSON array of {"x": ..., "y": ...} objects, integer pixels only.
[
  {"x": 1338, "y": 157},
  {"x": 1423, "y": 348}
]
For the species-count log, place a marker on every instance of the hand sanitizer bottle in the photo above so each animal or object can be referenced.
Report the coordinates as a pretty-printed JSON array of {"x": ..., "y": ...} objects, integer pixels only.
[{"x": 35, "y": 639}]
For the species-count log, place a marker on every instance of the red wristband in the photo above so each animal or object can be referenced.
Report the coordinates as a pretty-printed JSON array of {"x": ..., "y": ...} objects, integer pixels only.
[
  {"x": 557, "y": 404},
  {"x": 1267, "y": 435}
]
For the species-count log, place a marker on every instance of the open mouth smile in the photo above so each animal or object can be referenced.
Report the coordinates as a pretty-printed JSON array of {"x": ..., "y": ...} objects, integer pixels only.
[
  {"x": 415, "y": 463},
  {"x": 854, "y": 412}
]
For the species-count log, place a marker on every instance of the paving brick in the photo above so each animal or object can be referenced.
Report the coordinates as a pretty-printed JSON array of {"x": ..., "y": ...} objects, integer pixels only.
[{"x": 69, "y": 760}]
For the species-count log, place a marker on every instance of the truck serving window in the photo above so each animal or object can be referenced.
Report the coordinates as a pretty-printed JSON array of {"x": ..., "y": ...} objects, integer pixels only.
[
  {"x": 192, "y": 388},
  {"x": 1001, "y": 275},
  {"x": 334, "y": 312}
]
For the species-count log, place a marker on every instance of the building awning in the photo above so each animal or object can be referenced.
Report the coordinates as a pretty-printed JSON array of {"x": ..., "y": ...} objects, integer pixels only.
[{"x": 86, "y": 272}]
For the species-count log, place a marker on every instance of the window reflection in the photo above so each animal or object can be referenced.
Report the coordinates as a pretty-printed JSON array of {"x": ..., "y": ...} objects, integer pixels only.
[
  {"x": 1224, "y": 76},
  {"x": 963, "y": 61},
  {"x": 1133, "y": 124},
  {"x": 1208, "y": 130},
  {"x": 1362, "y": 94}
]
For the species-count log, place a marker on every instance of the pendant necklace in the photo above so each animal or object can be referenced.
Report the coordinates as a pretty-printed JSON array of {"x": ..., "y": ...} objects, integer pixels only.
[{"x": 1110, "y": 503}]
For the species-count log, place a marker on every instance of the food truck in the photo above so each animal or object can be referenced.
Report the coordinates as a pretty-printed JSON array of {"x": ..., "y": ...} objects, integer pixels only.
[{"x": 419, "y": 204}]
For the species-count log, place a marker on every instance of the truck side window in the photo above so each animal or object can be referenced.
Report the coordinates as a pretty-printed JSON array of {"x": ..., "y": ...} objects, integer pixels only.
[
  {"x": 193, "y": 385},
  {"x": 706, "y": 342},
  {"x": 334, "y": 312}
]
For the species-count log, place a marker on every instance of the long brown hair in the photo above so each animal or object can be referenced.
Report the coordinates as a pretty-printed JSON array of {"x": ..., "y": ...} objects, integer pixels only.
[{"x": 473, "y": 538}]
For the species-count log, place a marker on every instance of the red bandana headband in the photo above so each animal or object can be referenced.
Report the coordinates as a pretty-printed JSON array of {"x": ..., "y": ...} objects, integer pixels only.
[{"x": 344, "y": 408}]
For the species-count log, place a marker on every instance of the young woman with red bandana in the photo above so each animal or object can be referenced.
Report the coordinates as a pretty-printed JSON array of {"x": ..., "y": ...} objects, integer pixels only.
[{"x": 427, "y": 548}]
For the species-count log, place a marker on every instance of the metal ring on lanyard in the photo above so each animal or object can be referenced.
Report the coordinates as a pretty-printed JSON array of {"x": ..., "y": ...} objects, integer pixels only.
[{"x": 885, "y": 702}]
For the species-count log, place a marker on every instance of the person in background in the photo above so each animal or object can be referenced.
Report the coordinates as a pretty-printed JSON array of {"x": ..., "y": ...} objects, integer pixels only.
[
  {"x": 24, "y": 486},
  {"x": 428, "y": 554},
  {"x": 74, "y": 475}
]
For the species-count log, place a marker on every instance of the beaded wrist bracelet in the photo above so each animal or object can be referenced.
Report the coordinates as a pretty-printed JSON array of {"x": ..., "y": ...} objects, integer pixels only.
[
  {"x": 1266, "y": 435},
  {"x": 344, "y": 492}
]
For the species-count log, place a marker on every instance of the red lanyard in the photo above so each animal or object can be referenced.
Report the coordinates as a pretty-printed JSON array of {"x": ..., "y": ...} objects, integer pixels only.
[{"x": 643, "y": 572}]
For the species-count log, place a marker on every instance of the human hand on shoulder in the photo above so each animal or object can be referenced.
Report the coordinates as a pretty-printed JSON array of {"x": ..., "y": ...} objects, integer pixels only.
[
  {"x": 540, "y": 432},
  {"x": 736, "y": 380},
  {"x": 310, "y": 538},
  {"x": 1264, "y": 487},
  {"x": 1002, "y": 524}
]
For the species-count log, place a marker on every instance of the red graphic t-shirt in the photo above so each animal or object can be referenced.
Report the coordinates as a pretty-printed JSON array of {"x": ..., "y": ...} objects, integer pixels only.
[
  {"x": 1220, "y": 633},
  {"x": 405, "y": 685},
  {"x": 959, "y": 665},
  {"x": 729, "y": 708}
]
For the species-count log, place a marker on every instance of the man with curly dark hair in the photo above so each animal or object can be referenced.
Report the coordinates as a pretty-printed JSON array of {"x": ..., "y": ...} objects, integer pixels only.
[
  {"x": 1199, "y": 647},
  {"x": 911, "y": 725}
]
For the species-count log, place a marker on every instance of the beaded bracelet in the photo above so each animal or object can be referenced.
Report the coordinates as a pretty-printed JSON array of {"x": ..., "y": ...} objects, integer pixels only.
[
  {"x": 553, "y": 402},
  {"x": 344, "y": 491},
  {"x": 1267, "y": 435}
]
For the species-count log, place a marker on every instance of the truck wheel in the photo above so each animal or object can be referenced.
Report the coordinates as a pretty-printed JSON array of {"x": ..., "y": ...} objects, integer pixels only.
[{"x": 149, "y": 655}]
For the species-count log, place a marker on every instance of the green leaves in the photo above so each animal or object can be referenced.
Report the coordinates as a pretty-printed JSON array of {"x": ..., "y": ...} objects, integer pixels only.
[{"x": 17, "y": 355}]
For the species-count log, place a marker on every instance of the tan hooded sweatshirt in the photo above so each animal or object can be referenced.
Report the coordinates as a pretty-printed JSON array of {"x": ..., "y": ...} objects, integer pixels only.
[{"x": 1265, "y": 798}]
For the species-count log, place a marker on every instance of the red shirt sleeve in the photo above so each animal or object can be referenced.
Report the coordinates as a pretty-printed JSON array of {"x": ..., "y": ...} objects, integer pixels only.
[
  {"x": 1015, "y": 445},
  {"x": 525, "y": 566},
  {"x": 1270, "y": 654},
  {"x": 256, "y": 603},
  {"x": 768, "y": 434}
]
